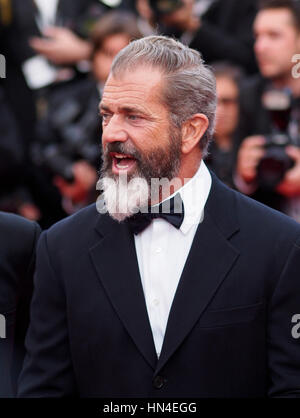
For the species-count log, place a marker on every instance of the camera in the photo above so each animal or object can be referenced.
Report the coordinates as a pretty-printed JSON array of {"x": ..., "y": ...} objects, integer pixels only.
[
  {"x": 65, "y": 136},
  {"x": 275, "y": 162}
]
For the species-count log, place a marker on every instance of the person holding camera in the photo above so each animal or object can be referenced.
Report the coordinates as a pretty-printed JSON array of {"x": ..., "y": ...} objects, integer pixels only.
[
  {"x": 268, "y": 159},
  {"x": 220, "y": 158}
]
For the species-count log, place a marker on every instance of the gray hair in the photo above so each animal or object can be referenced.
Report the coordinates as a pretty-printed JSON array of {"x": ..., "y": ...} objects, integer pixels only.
[{"x": 190, "y": 85}]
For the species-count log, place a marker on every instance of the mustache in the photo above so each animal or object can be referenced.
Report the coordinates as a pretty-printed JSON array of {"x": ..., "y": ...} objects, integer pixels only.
[{"x": 121, "y": 148}]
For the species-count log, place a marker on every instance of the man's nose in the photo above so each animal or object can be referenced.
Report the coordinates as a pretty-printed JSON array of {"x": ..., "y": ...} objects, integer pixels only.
[
  {"x": 114, "y": 131},
  {"x": 260, "y": 45}
]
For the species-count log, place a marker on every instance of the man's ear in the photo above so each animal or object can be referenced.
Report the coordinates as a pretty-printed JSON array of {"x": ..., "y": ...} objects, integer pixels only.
[{"x": 192, "y": 131}]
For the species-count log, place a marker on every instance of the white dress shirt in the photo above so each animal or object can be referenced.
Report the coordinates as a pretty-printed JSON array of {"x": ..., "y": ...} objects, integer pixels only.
[
  {"x": 38, "y": 72},
  {"x": 162, "y": 251},
  {"x": 47, "y": 12}
]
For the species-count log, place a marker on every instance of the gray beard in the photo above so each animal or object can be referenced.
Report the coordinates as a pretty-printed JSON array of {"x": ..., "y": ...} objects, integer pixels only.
[{"x": 124, "y": 196}]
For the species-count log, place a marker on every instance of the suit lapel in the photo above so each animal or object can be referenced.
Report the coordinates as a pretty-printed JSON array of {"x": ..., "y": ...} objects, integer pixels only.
[
  {"x": 210, "y": 259},
  {"x": 115, "y": 260},
  {"x": 26, "y": 12}
]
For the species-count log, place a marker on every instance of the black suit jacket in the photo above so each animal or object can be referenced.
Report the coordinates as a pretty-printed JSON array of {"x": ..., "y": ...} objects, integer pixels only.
[
  {"x": 17, "y": 255},
  {"x": 225, "y": 33},
  {"x": 229, "y": 329}
]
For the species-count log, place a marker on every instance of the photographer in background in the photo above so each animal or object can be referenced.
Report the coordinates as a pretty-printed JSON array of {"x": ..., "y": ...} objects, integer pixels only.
[
  {"x": 268, "y": 160},
  {"x": 68, "y": 146},
  {"x": 220, "y": 158},
  {"x": 220, "y": 30}
]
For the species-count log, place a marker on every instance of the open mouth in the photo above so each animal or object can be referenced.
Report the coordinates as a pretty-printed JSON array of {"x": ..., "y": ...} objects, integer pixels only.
[{"x": 122, "y": 162}]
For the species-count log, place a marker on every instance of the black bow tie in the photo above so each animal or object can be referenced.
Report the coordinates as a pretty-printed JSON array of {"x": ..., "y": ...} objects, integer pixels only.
[{"x": 171, "y": 210}]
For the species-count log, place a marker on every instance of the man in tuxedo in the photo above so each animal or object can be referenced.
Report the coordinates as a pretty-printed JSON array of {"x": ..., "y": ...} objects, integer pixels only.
[
  {"x": 190, "y": 295},
  {"x": 18, "y": 239}
]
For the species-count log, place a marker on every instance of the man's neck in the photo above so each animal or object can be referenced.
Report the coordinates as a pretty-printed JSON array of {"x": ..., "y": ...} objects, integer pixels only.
[
  {"x": 288, "y": 81},
  {"x": 185, "y": 174},
  {"x": 188, "y": 169}
]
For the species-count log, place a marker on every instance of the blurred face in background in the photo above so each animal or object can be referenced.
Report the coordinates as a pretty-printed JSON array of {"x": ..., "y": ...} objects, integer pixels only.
[
  {"x": 181, "y": 15},
  {"x": 103, "y": 58},
  {"x": 144, "y": 10},
  {"x": 227, "y": 107},
  {"x": 277, "y": 40}
]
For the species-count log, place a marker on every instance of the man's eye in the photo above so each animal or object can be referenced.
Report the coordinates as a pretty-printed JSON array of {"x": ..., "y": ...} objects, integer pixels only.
[
  {"x": 134, "y": 117},
  {"x": 105, "y": 116}
]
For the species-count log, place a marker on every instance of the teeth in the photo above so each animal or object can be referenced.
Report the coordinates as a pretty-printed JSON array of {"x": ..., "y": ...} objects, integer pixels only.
[
  {"x": 120, "y": 156},
  {"x": 122, "y": 166}
]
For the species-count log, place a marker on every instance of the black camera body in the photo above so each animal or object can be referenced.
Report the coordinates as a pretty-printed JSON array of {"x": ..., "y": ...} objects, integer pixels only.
[
  {"x": 275, "y": 162},
  {"x": 67, "y": 135}
]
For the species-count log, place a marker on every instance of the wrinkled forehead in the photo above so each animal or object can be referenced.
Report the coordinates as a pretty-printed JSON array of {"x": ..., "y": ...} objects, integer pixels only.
[
  {"x": 142, "y": 85},
  {"x": 144, "y": 75}
]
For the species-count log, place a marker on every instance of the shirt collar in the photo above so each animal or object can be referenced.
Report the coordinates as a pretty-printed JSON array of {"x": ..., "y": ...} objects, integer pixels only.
[{"x": 194, "y": 194}]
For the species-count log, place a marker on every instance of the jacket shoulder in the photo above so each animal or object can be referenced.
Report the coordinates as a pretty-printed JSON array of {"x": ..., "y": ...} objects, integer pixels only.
[
  {"x": 266, "y": 220},
  {"x": 17, "y": 233},
  {"x": 232, "y": 211},
  {"x": 78, "y": 227}
]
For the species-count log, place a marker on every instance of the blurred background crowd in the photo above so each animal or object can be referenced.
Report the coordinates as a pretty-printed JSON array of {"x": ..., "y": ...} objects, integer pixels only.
[{"x": 56, "y": 56}]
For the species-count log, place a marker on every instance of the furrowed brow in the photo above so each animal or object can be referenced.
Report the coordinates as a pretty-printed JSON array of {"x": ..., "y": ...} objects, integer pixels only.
[
  {"x": 103, "y": 107},
  {"x": 123, "y": 109},
  {"x": 129, "y": 109}
]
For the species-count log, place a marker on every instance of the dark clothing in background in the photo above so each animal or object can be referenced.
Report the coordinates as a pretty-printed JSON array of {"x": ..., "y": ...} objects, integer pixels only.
[
  {"x": 226, "y": 33},
  {"x": 15, "y": 44},
  {"x": 71, "y": 122},
  {"x": 254, "y": 118},
  {"x": 69, "y": 131},
  {"x": 27, "y": 104},
  {"x": 18, "y": 239},
  {"x": 12, "y": 149},
  {"x": 221, "y": 162},
  {"x": 13, "y": 159},
  {"x": 18, "y": 97}
]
